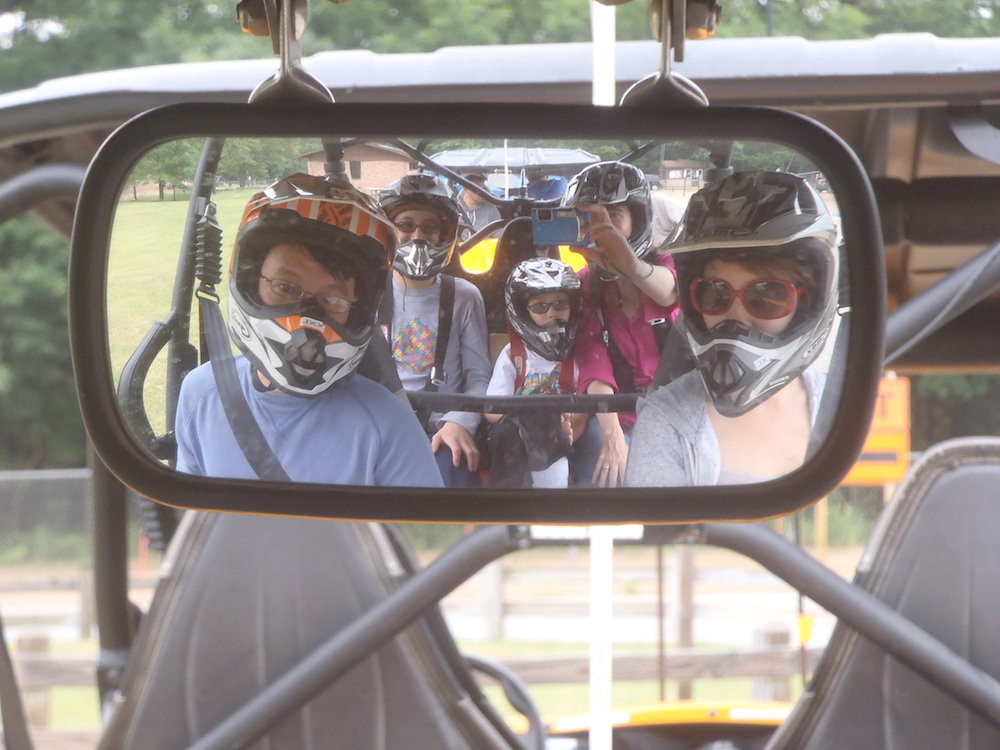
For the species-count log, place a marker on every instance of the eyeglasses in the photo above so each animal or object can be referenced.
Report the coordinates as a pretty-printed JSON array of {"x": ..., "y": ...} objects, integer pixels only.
[
  {"x": 765, "y": 299},
  {"x": 409, "y": 226},
  {"x": 291, "y": 292},
  {"x": 540, "y": 308}
]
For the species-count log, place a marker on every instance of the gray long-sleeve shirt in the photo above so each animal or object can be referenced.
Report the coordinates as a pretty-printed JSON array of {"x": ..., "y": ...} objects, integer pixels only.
[
  {"x": 673, "y": 443},
  {"x": 413, "y": 339}
]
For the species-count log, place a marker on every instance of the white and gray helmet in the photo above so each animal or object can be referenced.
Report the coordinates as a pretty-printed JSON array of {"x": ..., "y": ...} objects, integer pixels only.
[
  {"x": 613, "y": 183},
  {"x": 756, "y": 217},
  {"x": 537, "y": 276},
  {"x": 420, "y": 259}
]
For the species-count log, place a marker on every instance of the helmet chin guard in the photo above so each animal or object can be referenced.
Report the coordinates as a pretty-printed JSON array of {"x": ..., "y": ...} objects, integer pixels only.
[
  {"x": 420, "y": 260},
  {"x": 742, "y": 367}
]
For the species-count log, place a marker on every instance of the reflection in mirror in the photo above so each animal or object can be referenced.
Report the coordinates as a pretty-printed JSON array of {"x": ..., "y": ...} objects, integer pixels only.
[{"x": 477, "y": 314}]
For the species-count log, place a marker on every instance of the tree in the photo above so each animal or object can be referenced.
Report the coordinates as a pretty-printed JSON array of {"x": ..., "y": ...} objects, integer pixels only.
[
  {"x": 172, "y": 163},
  {"x": 263, "y": 158},
  {"x": 858, "y": 19},
  {"x": 947, "y": 406},
  {"x": 41, "y": 421},
  {"x": 54, "y": 38}
]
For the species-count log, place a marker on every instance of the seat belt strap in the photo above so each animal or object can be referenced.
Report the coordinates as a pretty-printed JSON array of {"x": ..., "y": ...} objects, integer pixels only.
[
  {"x": 446, "y": 313},
  {"x": 518, "y": 358},
  {"x": 248, "y": 434},
  {"x": 620, "y": 368}
]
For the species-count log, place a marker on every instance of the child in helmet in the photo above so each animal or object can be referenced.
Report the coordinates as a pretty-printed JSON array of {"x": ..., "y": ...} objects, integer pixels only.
[
  {"x": 756, "y": 256},
  {"x": 309, "y": 266},
  {"x": 629, "y": 300},
  {"x": 543, "y": 302},
  {"x": 436, "y": 323}
]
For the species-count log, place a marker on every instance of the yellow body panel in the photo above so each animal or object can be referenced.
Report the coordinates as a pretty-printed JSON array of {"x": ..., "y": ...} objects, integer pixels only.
[
  {"x": 755, "y": 713},
  {"x": 479, "y": 258}
]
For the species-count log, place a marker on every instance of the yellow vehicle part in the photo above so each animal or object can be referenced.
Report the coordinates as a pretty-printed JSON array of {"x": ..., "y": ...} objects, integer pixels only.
[
  {"x": 479, "y": 258},
  {"x": 676, "y": 713}
]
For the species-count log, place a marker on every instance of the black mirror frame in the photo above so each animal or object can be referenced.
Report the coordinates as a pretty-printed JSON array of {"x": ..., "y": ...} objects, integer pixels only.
[{"x": 136, "y": 468}]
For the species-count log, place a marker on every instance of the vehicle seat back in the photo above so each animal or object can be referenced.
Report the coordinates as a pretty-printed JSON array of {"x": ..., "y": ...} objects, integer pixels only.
[
  {"x": 247, "y": 597},
  {"x": 935, "y": 558},
  {"x": 516, "y": 243}
]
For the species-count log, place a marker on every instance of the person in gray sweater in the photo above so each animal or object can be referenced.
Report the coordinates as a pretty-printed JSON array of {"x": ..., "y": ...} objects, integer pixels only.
[
  {"x": 436, "y": 323},
  {"x": 756, "y": 262}
]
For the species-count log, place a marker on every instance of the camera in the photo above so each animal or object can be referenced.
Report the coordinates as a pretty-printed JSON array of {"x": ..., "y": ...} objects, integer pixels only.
[{"x": 558, "y": 226}]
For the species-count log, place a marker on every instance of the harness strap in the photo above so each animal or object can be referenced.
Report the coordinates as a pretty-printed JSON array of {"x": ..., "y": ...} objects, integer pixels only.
[
  {"x": 620, "y": 367},
  {"x": 519, "y": 357},
  {"x": 248, "y": 434},
  {"x": 446, "y": 313}
]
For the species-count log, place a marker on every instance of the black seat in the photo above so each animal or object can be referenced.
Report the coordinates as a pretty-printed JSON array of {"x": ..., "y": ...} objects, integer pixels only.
[
  {"x": 935, "y": 558},
  {"x": 246, "y": 598}
]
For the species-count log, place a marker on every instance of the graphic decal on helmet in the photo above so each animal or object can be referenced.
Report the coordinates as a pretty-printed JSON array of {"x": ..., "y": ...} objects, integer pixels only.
[
  {"x": 537, "y": 276},
  {"x": 614, "y": 183}
]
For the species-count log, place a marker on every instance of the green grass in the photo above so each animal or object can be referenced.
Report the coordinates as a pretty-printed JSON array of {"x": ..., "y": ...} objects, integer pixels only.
[
  {"x": 77, "y": 707},
  {"x": 555, "y": 700},
  {"x": 571, "y": 700},
  {"x": 43, "y": 543},
  {"x": 499, "y": 649},
  {"x": 74, "y": 708},
  {"x": 145, "y": 247}
]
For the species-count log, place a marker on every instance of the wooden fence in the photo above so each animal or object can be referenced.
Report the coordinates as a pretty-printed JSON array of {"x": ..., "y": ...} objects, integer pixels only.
[{"x": 772, "y": 662}]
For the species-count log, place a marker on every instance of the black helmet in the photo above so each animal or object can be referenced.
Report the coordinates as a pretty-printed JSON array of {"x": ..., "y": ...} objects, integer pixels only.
[
  {"x": 298, "y": 346},
  {"x": 613, "y": 183},
  {"x": 419, "y": 259},
  {"x": 537, "y": 276},
  {"x": 756, "y": 218}
]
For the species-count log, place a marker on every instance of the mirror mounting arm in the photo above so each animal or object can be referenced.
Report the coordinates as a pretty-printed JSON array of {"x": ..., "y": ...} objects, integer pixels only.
[
  {"x": 665, "y": 88},
  {"x": 286, "y": 22}
]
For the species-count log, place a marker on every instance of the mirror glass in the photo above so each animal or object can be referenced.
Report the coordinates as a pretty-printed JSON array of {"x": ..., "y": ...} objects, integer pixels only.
[{"x": 724, "y": 396}]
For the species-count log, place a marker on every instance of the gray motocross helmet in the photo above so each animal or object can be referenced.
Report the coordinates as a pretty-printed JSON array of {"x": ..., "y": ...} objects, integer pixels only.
[
  {"x": 756, "y": 217},
  {"x": 536, "y": 276},
  {"x": 419, "y": 259},
  {"x": 613, "y": 183}
]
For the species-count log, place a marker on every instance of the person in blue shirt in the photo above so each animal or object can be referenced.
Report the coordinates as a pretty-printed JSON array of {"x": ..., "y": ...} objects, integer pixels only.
[{"x": 309, "y": 266}]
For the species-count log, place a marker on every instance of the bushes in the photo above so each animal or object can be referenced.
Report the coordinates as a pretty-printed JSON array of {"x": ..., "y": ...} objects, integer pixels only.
[
  {"x": 43, "y": 544},
  {"x": 432, "y": 536},
  {"x": 852, "y": 514}
]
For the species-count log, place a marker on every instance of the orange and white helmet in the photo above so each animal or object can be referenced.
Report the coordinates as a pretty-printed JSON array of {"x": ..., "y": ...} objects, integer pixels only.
[{"x": 299, "y": 346}]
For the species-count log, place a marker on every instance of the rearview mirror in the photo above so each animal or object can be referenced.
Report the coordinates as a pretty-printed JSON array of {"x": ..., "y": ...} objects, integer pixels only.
[{"x": 168, "y": 183}]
